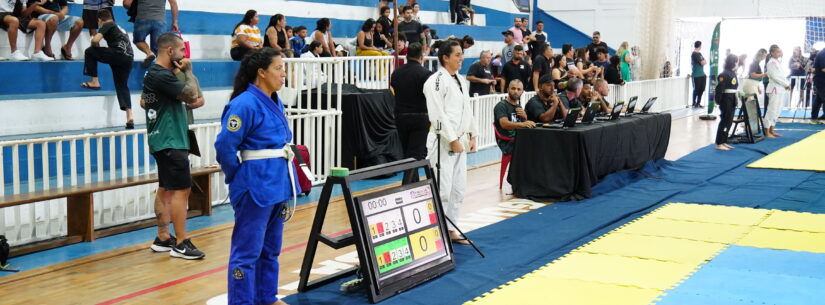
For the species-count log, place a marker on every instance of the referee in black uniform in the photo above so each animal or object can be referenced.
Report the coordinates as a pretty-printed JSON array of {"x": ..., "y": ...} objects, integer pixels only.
[{"x": 411, "y": 118}]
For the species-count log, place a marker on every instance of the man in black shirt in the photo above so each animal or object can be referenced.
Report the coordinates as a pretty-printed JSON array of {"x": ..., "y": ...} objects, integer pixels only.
[
  {"x": 545, "y": 106},
  {"x": 538, "y": 40},
  {"x": 593, "y": 47},
  {"x": 517, "y": 68},
  {"x": 570, "y": 98},
  {"x": 411, "y": 28},
  {"x": 611, "y": 73},
  {"x": 480, "y": 78},
  {"x": 411, "y": 118},
  {"x": 509, "y": 115},
  {"x": 542, "y": 64}
]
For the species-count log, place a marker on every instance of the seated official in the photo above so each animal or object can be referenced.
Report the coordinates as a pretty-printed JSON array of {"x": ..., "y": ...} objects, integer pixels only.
[
  {"x": 509, "y": 115},
  {"x": 601, "y": 91},
  {"x": 545, "y": 106},
  {"x": 570, "y": 97}
]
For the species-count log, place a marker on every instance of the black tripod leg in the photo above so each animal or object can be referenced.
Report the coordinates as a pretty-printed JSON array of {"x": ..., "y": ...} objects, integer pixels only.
[{"x": 465, "y": 236}]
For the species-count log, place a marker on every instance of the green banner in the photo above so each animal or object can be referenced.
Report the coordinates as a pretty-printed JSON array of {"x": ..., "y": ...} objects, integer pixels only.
[{"x": 714, "y": 67}]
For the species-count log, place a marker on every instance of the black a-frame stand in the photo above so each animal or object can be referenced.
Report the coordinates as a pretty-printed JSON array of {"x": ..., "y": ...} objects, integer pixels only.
[
  {"x": 407, "y": 166},
  {"x": 750, "y": 116}
]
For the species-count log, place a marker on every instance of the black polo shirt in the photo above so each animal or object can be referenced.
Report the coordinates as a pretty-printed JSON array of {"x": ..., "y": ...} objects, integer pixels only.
[
  {"x": 542, "y": 65},
  {"x": 536, "y": 106},
  {"x": 568, "y": 103},
  {"x": 520, "y": 71},
  {"x": 591, "y": 50},
  {"x": 482, "y": 72},
  {"x": 408, "y": 83}
]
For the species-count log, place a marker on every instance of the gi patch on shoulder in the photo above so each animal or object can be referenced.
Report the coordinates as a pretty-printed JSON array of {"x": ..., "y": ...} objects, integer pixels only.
[
  {"x": 237, "y": 274},
  {"x": 233, "y": 123},
  {"x": 733, "y": 81},
  {"x": 721, "y": 79}
]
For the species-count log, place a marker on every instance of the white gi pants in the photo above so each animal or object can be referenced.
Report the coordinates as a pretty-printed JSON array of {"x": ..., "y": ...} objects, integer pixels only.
[
  {"x": 775, "y": 100},
  {"x": 453, "y": 180}
]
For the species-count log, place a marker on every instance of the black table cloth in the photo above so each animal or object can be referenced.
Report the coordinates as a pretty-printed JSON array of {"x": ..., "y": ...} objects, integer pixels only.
[{"x": 564, "y": 164}]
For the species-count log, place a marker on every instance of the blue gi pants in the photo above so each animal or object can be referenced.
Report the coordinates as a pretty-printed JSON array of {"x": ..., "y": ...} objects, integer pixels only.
[{"x": 253, "y": 259}]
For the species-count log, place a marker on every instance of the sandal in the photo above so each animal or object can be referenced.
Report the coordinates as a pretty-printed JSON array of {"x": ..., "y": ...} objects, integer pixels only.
[
  {"x": 65, "y": 53},
  {"x": 88, "y": 85}
]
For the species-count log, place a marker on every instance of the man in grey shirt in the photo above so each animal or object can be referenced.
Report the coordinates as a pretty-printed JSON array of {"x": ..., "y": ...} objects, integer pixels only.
[
  {"x": 507, "y": 51},
  {"x": 151, "y": 20}
]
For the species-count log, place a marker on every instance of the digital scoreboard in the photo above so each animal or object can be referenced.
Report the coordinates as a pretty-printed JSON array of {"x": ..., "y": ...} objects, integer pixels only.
[{"x": 403, "y": 238}]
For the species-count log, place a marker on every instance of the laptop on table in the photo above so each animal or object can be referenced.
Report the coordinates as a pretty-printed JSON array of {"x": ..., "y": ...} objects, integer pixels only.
[
  {"x": 648, "y": 105},
  {"x": 591, "y": 112},
  {"x": 569, "y": 120},
  {"x": 617, "y": 110},
  {"x": 631, "y": 106}
]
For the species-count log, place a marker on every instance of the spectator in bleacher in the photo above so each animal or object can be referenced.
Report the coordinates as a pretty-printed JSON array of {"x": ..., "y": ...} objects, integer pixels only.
[
  {"x": 118, "y": 55},
  {"x": 289, "y": 33},
  {"x": 454, "y": 11},
  {"x": 365, "y": 40},
  {"x": 384, "y": 3},
  {"x": 585, "y": 66},
  {"x": 314, "y": 50},
  {"x": 411, "y": 118},
  {"x": 416, "y": 9},
  {"x": 525, "y": 33},
  {"x": 593, "y": 47},
  {"x": 508, "y": 115},
  {"x": 538, "y": 40},
  {"x": 90, "y": 9},
  {"x": 667, "y": 71},
  {"x": 275, "y": 35},
  {"x": 568, "y": 52},
  {"x": 298, "y": 42},
  {"x": 545, "y": 106},
  {"x": 517, "y": 68},
  {"x": 401, "y": 48},
  {"x": 428, "y": 37},
  {"x": 518, "y": 35},
  {"x": 559, "y": 74},
  {"x": 543, "y": 64},
  {"x": 382, "y": 42},
  {"x": 601, "y": 61},
  {"x": 411, "y": 28},
  {"x": 385, "y": 21},
  {"x": 151, "y": 21},
  {"x": 13, "y": 18},
  {"x": 55, "y": 14},
  {"x": 467, "y": 12},
  {"x": 246, "y": 36},
  {"x": 168, "y": 139},
  {"x": 612, "y": 74},
  {"x": 254, "y": 126},
  {"x": 480, "y": 76},
  {"x": 627, "y": 60},
  {"x": 323, "y": 35},
  {"x": 509, "y": 45}
]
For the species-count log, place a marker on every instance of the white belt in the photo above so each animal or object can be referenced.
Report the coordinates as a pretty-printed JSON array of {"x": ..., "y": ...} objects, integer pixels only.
[
  {"x": 734, "y": 91},
  {"x": 280, "y": 153}
]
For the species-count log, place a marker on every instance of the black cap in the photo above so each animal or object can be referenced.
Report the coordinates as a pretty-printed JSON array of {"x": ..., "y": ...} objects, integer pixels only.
[
  {"x": 545, "y": 79},
  {"x": 508, "y": 32}
]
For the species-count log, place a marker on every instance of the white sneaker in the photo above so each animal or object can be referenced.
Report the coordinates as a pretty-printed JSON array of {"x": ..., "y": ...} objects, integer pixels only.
[
  {"x": 18, "y": 56},
  {"x": 3, "y": 58},
  {"x": 40, "y": 56}
]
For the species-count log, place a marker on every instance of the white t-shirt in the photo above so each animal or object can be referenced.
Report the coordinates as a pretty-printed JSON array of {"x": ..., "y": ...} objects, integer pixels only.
[{"x": 7, "y": 6}]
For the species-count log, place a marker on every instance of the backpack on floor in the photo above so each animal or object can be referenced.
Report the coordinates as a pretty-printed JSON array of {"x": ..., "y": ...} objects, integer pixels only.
[{"x": 301, "y": 161}]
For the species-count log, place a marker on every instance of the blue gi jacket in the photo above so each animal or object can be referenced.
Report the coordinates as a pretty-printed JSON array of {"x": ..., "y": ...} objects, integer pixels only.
[{"x": 253, "y": 121}]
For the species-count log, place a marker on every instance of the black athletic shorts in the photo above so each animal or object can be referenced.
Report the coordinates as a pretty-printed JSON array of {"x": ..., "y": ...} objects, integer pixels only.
[
  {"x": 173, "y": 169},
  {"x": 90, "y": 18}
]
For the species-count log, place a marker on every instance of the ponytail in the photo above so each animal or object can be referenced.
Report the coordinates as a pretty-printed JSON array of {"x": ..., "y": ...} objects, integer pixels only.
[{"x": 248, "y": 71}]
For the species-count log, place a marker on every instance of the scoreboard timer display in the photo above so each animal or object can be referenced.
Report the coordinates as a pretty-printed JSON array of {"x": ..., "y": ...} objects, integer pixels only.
[{"x": 404, "y": 240}]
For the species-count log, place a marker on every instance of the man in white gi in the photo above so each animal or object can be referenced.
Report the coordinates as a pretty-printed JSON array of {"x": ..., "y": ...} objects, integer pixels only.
[
  {"x": 776, "y": 90},
  {"x": 451, "y": 118}
]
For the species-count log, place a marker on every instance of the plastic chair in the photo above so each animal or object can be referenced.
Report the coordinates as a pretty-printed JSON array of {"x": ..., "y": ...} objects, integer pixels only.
[{"x": 505, "y": 159}]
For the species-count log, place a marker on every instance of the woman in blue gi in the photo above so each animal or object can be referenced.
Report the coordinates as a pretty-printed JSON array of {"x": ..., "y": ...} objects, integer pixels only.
[{"x": 260, "y": 182}]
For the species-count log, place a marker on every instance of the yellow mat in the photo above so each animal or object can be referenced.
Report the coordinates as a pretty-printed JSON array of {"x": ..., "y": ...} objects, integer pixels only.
[
  {"x": 636, "y": 263},
  {"x": 803, "y": 155},
  {"x": 566, "y": 292},
  {"x": 785, "y": 240},
  {"x": 699, "y": 231},
  {"x": 654, "y": 247},
  {"x": 795, "y": 221}
]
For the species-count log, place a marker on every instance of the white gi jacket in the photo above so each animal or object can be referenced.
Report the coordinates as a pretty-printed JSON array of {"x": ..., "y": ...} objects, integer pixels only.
[
  {"x": 449, "y": 103},
  {"x": 777, "y": 82}
]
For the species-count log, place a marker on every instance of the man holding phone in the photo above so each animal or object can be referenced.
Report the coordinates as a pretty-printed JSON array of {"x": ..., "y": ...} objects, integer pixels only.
[
  {"x": 165, "y": 97},
  {"x": 509, "y": 116}
]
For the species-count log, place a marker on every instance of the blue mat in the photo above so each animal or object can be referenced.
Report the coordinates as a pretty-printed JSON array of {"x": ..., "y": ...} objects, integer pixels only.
[
  {"x": 747, "y": 275},
  {"x": 537, "y": 238}
]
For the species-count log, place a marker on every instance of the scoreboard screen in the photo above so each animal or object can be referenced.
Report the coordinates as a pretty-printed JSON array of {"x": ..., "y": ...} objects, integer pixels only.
[{"x": 404, "y": 235}]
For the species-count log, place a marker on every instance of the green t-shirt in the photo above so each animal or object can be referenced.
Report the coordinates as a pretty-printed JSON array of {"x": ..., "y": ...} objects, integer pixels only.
[
  {"x": 166, "y": 122},
  {"x": 505, "y": 110}
]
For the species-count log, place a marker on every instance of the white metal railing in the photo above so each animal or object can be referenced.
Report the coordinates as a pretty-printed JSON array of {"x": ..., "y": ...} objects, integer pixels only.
[
  {"x": 800, "y": 97},
  {"x": 673, "y": 93}
]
